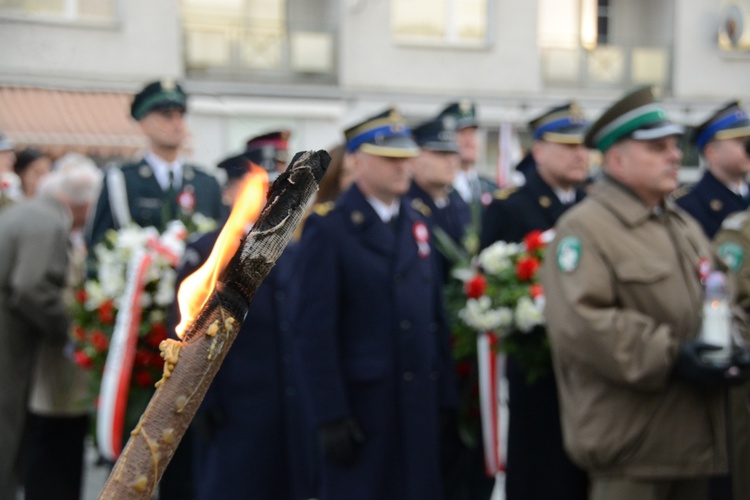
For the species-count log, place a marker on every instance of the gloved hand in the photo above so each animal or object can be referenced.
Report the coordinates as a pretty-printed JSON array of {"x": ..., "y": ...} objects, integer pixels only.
[
  {"x": 341, "y": 441},
  {"x": 691, "y": 367}
]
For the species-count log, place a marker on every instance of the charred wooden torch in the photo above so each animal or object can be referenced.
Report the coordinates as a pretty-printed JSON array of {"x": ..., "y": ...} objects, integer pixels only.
[{"x": 191, "y": 365}]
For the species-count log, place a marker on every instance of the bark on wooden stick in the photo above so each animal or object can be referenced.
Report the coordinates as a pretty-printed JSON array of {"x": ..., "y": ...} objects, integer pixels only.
[{"x": 192, "y": 364}]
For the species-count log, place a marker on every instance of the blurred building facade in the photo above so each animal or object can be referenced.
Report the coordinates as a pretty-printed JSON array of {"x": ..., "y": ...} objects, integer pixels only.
[{"x": 67, "y": 67}]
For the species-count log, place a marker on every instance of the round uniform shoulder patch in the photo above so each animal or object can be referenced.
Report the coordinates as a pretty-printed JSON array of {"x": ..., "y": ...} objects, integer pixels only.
[
  {"x": 568, "y": 254},
  {"x": 732, "y": 254}
]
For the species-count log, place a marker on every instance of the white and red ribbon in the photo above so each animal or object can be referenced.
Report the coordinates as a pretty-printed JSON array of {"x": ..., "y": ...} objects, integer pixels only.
[
  {"x": 489, "y": 364},
  {"x": 118, "y": 368}
]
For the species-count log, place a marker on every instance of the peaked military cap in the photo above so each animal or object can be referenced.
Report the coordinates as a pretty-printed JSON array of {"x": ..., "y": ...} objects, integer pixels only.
[
  {"x": 5, "y": 143},
  {"x": 384, "y": 134},
  {"x": 265, "y": 150},
  {"x": 562, "y": 124},
  {"x": 437, "y": 134},
  {"x": 729, "y": 122},
  {"x": 164, "y": 94},
  {"x": 638, "y": 115},
  {"x": 464, "y": 111},
  {"x": 236, "y": 166}
]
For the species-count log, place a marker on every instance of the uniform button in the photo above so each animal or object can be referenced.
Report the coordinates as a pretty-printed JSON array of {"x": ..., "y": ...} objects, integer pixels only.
[
  {"x": 434, "y": 375},
  {"x": 280, "y": 295},
  {"x": 398, "y": 280},
  {"x": 408, "y": 376},
  {"x": 405, "y": 324}
]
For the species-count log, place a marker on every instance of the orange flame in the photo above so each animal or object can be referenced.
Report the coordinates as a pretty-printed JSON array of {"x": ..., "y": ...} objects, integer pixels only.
[{"x": 197, "y": 288}]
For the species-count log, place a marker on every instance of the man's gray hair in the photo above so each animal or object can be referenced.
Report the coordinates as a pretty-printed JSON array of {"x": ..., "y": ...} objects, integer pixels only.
[{"x": 74, "y": 177}]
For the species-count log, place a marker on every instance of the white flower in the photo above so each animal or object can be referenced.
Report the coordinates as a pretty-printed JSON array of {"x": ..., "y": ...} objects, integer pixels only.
[
  {"x": 479, "y": 315},
  {"x": 95, "y": 295},
  {"x": 497, "y": 257},
  {"x": 164, "y": 295},
  {"x": 202, "y": 223},
  {"x": 157, "y": 316},
  {"x": 528, "y": 314}
]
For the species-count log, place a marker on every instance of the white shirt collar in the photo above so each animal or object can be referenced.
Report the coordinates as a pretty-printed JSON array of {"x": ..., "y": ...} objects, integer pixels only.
[
  {"x": 385, "y": 212},
  {"x": 565, "y": 196},
  {"x": 462, "y": 186},
  {"x": 162, "y": 167}
]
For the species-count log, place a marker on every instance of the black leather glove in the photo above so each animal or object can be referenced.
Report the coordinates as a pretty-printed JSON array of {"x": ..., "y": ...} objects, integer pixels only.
[
  {"x": 341, "y": 441},
  {"x": 693, "y": 369}
]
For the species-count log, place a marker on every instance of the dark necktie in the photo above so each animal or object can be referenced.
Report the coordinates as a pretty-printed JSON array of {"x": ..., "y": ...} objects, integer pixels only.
[{"x": 171, "y": 198}]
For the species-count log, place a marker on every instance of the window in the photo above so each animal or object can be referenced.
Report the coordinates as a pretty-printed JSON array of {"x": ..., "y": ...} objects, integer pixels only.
[
  {"x": 440, "y": 22},
  {"x": 268, "y": 40},
  {"x": 65, "y": 10}
]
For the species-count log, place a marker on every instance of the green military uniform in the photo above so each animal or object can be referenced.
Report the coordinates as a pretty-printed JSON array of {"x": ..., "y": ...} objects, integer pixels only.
[
  {"x": 732, "y": 243},
  {"x": 133, "y": 193},
  {"x": 147, "y": 203}
]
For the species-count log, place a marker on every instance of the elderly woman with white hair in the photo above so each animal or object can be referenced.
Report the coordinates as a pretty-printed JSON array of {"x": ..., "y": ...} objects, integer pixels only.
[{"x": 35, "y": 265}]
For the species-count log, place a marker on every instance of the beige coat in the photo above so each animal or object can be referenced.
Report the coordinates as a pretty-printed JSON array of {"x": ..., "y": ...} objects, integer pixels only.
[
  {"x": 733, "y": 245},
  {"x": 33, "y": 267},
  {"x": 616, "y": 310}
]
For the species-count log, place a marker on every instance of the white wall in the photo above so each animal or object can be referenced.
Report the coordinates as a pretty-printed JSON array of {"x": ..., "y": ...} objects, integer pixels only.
[
  {"x": 701, "y": 70},
  {"x": 143, "y": 44},
  {"x": 371, "y": 60}
]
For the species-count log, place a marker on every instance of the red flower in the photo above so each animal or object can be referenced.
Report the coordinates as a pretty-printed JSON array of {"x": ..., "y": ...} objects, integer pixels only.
[
  {"x": 79, "y": 333},
  {"x": 106, "y": 312},
  {"x": 475, "y": 287},
  {"x": 533, "y": 241},
  {"x": 99, "y": 341},
  {"x": 157, "y": 333},
  {"x": 536, "y": 290},
  {"x": 526, "y": 268},
  {"x": 82, "y": 359},
  {"x": 143, "y": 378},
  {"x": 81, "y": 295}
]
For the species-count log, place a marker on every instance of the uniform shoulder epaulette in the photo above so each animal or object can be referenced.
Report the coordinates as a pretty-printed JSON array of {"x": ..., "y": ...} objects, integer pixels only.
[
  {"x": 735, "y": 221},
  {"x": 421, "y": 207},
  {"x": 503, "y": 194},
  {"x": 322, "y": 209},
  {"x": 680, "y": 192}
]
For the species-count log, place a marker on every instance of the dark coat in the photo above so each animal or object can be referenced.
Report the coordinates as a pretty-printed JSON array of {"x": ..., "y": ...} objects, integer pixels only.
[
  {"x": 146, "y": 199},
  {"x": 710, "y": 201},
  {"x": 249, "y": 430},
  {"x": 537, "y": 466},
  {"x": 515, "y": 212},
  {"x": 454, "y": 218},
  {"x": 373, "y": 346}
]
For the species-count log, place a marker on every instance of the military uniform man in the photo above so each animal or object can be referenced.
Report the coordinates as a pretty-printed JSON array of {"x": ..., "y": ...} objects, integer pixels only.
[
  {"x": 642, "y": 411},
  {"x": 723, "y": 188},
  {"x": 732, "y": 242},
  {"x": 249, "y": 432},
  {"x": 161, "y": 186},
  {"x": 270, "y": 151},
  {"x": 434, "y": 170},
  {"x": 374, "y": 353},
  {"x": 537, "y": 466},
  {"x": 473, "y": 188}
]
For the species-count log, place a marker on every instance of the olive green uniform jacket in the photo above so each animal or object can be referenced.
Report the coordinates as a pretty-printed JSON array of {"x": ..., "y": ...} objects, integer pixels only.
[
  {"x": 733, "y": 245},
  {"x": 622, "y": 291}
]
